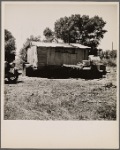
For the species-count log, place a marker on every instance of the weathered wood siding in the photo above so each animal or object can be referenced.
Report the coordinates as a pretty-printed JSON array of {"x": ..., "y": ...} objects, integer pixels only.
[
  {"x": 32, "y": 56},
  {"x": 82, "y": 54},
  {"x": 42, "y": 56},
  {"x": 60, "y": 55}
]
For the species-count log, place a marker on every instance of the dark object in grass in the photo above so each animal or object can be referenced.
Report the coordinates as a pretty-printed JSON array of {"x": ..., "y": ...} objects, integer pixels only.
[
  {"x": 107, "y": 112},
  {"x": 11, "y": 73}
]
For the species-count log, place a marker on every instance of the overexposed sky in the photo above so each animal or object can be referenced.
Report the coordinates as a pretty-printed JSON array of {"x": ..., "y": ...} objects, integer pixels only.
[{"x": 31, "y": 18}]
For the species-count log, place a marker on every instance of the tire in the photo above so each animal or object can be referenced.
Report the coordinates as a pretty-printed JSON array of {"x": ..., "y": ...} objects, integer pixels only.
[{"x": 13, "y": 77}]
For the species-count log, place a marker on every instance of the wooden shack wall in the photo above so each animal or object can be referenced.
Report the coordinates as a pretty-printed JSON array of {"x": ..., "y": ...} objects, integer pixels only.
[
  {"x": 42, "y": 56},
  {"x": 71, "y": 56},
  {"x": 82, "y": 54},
  {"x": 60, "y": 55}
]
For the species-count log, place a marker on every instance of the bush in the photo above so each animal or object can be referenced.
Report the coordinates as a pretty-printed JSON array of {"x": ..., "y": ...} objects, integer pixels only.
[
  {"x": 107, "y": 54},
  {"x": 109, "y": 62}
]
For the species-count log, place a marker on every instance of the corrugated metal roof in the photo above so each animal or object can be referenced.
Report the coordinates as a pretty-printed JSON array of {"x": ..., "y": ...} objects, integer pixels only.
[{"x": 71, "y": 45}]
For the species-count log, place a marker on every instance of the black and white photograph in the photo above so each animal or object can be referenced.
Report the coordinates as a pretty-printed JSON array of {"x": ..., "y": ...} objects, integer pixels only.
[{"x": 60, "y": 61}]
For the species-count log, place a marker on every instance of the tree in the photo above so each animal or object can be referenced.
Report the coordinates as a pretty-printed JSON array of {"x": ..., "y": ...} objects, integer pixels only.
[
  {"x": 48, "y": 32},
  {"x": 110, "y": 54},
  {"x": 23, "y": 55},
  {"x": 23, "y": 50},
  {"x": 33, "y": 38},
  {"x": 30, "y": 39},
  {"x": 93, "y": 31},
  {"x": 113, "y": 54},
  {"x": 80, "y": 29},
  {"x": 49, "y": 35},
  {"x": 9, "y": 46}
]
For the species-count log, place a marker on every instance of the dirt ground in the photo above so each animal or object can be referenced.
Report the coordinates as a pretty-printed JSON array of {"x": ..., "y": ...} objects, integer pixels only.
[{"x": 36, "y": 98}]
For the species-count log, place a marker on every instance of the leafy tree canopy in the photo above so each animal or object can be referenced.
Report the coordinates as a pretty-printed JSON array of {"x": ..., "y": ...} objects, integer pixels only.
[
  {"x": 9, "y": 46},
  {"x": 34, "y": 38},
  {"x": 80, "y": 29},
  {"x": 30, "y": 39},
  {"x": 48, "y": 32},
  {"x": 49, "y": 35}
]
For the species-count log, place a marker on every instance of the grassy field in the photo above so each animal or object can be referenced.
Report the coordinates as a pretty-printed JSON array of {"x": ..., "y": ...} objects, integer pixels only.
[{"x": 35, "y": 98}]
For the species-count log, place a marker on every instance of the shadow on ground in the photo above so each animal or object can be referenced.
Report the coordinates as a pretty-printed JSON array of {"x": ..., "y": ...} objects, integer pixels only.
[
  {"x": 65, "y": 73},
  {"x": 7, "y": 82}
]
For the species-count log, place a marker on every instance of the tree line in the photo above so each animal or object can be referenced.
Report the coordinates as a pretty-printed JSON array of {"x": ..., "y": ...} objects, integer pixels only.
[
  {"x": 73, "y": 29},
  {"x": 107, "y": 54}
]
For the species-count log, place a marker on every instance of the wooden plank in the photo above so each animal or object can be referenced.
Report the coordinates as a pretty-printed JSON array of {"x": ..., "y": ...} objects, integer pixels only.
[{"x": 42, "y": 56}]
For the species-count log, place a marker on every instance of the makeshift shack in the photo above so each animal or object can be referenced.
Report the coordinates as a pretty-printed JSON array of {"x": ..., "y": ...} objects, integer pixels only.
[{"x": 41, "y": 54}]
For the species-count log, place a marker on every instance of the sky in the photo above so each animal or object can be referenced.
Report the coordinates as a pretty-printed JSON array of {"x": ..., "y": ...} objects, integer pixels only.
[{"x": 31, "y": 18}]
